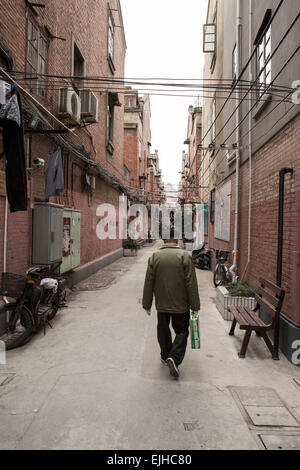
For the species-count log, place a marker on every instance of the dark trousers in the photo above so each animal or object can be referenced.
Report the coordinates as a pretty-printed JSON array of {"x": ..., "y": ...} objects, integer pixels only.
[{"x": 180, "y": 324}]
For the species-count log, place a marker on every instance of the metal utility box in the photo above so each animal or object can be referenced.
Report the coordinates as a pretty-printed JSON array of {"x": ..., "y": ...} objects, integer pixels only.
[
  {"x": 71, "y": 240},
  {"x": 47, "y": 233}
]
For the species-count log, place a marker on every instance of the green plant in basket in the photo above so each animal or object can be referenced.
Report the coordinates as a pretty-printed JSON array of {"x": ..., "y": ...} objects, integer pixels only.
[
  {"x": 130, "y": 244},
  {"x": 239, "y": 289}
]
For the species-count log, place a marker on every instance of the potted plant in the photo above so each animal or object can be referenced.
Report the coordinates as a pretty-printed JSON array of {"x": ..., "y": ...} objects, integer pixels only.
[
  {"x": 130, "y": 247},
  {"x": 237, "y": 294}
]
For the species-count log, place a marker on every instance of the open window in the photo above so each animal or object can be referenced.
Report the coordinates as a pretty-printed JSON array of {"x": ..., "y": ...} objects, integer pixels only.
[
  {"x": 78, "y": 67},
  {"x": 36, "y": 58},
  {"x": 263, "y": 54},
  {"x": 112, "y": 101},
  {"x": 264, "y": 62},
  {"x": 234, "y": 63},
  {"x": 111, "y": 42}
]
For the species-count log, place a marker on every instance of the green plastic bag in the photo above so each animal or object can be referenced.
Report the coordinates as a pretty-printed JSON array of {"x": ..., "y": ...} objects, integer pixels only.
[{"x": 195, "y": 331}]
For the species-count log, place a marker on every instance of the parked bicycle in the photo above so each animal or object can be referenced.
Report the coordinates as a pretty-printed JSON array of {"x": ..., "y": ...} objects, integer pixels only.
[
  {"x": 222, "y": 273},
  {"x": 36, "y": 301}
]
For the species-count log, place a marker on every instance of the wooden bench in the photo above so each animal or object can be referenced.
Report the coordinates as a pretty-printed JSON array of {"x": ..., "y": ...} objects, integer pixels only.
[{"x": 268, "y": 296}]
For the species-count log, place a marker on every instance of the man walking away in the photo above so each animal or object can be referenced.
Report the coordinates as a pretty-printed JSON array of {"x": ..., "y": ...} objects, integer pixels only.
[{"x": 171, "y": 277}]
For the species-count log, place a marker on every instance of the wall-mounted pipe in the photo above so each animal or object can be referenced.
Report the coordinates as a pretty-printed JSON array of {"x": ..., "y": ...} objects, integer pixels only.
[
  {"x": 5, "y": 235},
  {"x": 249, "y": 143},
  {"x": 282, "y": 174},
  {"x": 233, "y": 268}
]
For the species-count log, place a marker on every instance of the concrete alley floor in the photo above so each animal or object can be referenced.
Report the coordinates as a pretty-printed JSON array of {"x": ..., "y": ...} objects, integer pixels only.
[{"x": 95, "y": 381}]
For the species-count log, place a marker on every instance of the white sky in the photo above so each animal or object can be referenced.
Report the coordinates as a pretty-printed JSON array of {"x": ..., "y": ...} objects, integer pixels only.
[{"x": 164, "y": 39}]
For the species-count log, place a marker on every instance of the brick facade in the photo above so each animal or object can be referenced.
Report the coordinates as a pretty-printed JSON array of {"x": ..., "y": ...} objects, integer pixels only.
[
  {"x": 87, "y": 27},
  {"x": 281, "y": 151}
]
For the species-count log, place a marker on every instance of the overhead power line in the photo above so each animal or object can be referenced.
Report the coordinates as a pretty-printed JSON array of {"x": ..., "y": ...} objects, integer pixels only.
[
  {"x": 242, "y": 73},
  {"x": 267, "y": 88}
]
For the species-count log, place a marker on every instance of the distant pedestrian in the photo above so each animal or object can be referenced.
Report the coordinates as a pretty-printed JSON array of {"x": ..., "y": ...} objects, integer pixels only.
[{"x": 171, "y": 278}]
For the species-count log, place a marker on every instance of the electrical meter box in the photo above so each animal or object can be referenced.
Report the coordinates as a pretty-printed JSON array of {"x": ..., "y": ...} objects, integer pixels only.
[
  {"x": 47, "y": 233},
  {"x": 71, "y": 240}
]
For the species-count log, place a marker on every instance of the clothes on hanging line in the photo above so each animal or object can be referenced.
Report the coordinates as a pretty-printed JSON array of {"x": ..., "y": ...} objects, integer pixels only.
[
  {"x": 54, "y": 179},
  {"x": 11, "y": 120}
]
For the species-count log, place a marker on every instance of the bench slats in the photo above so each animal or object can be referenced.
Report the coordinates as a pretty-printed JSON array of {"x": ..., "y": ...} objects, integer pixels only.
[
  {"x": 256, "y": 318},
  {"x": 269, "y": 297},
  {"x": 270, "y": 308},
  {"x": 249, "y": 321},
  {"x": 264, "y": 283},
  {"x": 246, "y": 318}
]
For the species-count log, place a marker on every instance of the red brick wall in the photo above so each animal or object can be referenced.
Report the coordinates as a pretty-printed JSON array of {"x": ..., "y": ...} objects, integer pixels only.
[
  {"x": 281, "y": 151},
  {"x": 131, "y": 159},
  {"x": 88, "y": 25}
]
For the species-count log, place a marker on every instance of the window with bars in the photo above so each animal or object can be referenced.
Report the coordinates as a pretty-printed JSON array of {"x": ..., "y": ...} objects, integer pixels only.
[
  {"x": 264, "y": 62},
  {"x": 36, "y": 58}
]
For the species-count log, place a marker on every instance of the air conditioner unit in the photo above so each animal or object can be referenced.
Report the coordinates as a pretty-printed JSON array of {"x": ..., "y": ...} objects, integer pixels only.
[
  {"x": 69, "y": 104},
  {"x": 140, "y": 192},
  {"x": 89, "y": 105}
]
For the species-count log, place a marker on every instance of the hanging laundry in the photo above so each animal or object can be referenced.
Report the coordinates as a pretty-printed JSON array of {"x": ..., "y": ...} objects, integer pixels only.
[
  {"x": 54, "y": 179},
  {"x": 11, "y": 120}
]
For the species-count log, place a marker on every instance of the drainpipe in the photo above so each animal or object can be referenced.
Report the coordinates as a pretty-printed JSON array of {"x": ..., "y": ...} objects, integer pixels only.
[
  {"x": 249, "y": 142},
  {"x": 5, "y": 235},
  {"x": 233, "y": 268},
  {"x": 282, "y": 174},
  {"x": 5, "y": 241}
]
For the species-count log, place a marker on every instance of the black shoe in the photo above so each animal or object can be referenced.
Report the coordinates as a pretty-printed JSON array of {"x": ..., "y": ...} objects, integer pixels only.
[{"x": 172, "y": 367}]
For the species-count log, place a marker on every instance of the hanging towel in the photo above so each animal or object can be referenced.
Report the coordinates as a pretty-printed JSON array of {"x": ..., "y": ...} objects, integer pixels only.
[
  {"x": 11, "y": 119},
  {"x": 54, "y": 179}
]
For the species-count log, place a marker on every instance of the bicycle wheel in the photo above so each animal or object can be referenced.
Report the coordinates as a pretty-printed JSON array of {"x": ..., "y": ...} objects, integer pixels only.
[
  {"x": 219, "y": 275},
  {"x": 54, "y": 307},
  {"x": 15, "y": 325}
]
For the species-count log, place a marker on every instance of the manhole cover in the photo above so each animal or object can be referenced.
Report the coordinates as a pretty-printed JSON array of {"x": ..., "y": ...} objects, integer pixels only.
[
  {"x": 254, "y": 396},
  {"x": 279, "y": 442},
  {"x": 270, "y": 416},
  {"x": 263, "y": 406}
]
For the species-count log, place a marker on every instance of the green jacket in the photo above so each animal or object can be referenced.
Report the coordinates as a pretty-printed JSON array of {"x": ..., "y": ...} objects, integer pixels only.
[{"x": 171, "y": 277}]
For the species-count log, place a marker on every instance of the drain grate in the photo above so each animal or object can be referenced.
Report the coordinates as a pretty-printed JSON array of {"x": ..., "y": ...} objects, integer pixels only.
[{"x": 190, "y": 426}]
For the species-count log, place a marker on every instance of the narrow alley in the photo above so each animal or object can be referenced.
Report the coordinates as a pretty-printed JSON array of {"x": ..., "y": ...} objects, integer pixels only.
[{"x": 95, "y": 381}]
